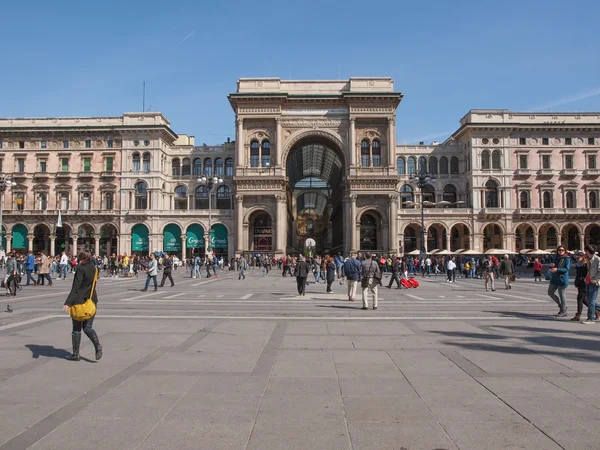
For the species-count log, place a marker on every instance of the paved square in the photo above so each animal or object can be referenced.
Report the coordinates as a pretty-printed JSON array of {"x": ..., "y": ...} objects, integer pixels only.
[{"x": 228, "y": 364}]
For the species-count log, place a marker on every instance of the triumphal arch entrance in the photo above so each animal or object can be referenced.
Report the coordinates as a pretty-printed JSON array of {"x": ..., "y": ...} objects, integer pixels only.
[{"x": 315, "y": 159}]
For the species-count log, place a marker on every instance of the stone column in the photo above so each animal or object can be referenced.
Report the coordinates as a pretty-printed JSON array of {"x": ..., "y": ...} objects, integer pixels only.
[
  {"x": 280, "y": 245},
  {"x": 239, "y": 143},
  {"x": 97, "y": 244},
  {"x": 52, "y": 244},
  {"x": 183, "y": 246},
  {"x": 347, "y": 225},
  {"x": 351, "y": 142},
  {"x": 391, "y": 147},
  {"x": 74, "y": 249},
  {"x": 536, "y": 240},
  {"x": 279, "y": 148},
  {"x": 239, "y": 214},
  {"x": 393, "y": 211},
  {"x": 353, "y": 223},
  {"x": 30, "y": 242},
  {"x": 8, "y": 243},
  {"x": 581, "y": 241}
]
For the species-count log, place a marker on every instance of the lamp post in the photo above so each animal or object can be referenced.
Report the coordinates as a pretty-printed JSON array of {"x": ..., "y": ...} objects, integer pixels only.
[
  {"x": 209, "y": 182},
  {"x": 5, "y": 183},
  {"x": 422, "y": 180}
]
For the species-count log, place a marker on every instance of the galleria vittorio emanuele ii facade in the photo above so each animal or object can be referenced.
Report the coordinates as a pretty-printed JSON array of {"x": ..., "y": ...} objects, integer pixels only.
[{"x": 310, "y": 159}]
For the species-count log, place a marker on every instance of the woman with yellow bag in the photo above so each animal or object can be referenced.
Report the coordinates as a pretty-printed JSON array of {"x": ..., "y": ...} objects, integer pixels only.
[{"x": 81, "y": 304}]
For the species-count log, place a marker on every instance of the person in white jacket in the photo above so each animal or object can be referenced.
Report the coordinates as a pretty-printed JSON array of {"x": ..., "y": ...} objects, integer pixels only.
[
  {"x": 450, "y": 270},
  {"x": 151, "y": 273}
]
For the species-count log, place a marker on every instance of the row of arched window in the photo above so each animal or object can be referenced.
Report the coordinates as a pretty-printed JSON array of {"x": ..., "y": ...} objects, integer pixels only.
[
  {"x": 185, "y": 167},
  {"x": 412, "y": 165},
  {"x": 495, "y": 157},
  {"x": 141, "y": 163},
  {"x": 569, "y": 200},
  {"x": 260, "y": 153},
  {"x": 449, "y": 195},
  {"x": 370, "y": 153},
  {"x": 201, "y": 194},
  {"x": 85, "y": 202}
]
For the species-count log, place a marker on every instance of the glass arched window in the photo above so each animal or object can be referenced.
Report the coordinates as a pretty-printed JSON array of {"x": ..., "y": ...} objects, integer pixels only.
[
  {"x": 254, "y": 153},
  {"x": 454, "y": 165},
  {"x": 181, "y": 200},
  {"x": 376, "y": 152},
  {"x": 208, "y": 168},
  {"x": 201, "y": 198},
  {"x": 109, "y": 201},
  {"x": 224, "y": 197},
  {"x": 570, "y": 199},
  {"x": 444, "y": 165},
  {"x": 265, "y": 153},
  {"x": 186, "y": 167},
  {"x": 146, "y": 162},
  {"x": 368, "y": 232},
  {"x": 433, "y": 165},
  {"x": 42, "y": 201},
  {"x": 229, "y": 167},
  {"x": 449, "y": 194},
  {"x": 524, "y": 199},
  {"x": 407, "y": 195},
  {"x": 365, "y": 153},
  {"x": 547, "y": 199},
  {"x": 136, "y": 162},
  {"x": 422, "y": 164},
  {"x": 176, "y": 167},
  {"x": 64, "y": 201},
  {"x": 496, "y": 159},
  {"x": 141, "y": 195},
  {"x": 401, "y": 166},
  {"x": 492, "y": 199},
  {"x": 219, "y": 167},
  {"x": 428, "y": 193},
  {"x": 485, "y": 160},
  {"x": 86, "y": 201},
  {"x": 197, "y": 167},
  {"x": 468, "y": 191},
  {"x": 593, "y": 199},
  {"x": 412, "y": 165}
]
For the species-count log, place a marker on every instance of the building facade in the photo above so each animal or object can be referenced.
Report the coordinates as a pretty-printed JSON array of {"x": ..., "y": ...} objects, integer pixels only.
[{"x": 311, "y": 159}]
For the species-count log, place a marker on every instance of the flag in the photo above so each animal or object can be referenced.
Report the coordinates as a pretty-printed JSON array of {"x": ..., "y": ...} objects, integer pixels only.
[{"x": 59, "y": 221}]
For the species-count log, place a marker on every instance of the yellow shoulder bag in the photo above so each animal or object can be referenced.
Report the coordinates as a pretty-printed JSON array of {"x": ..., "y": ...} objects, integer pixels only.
[{"x": 85, "y": 310}]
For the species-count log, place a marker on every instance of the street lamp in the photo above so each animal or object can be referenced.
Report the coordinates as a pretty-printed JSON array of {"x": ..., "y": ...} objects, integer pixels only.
[
  {"x": 209, "y": 182},
  {"x": 422, "y": 180},
  {"x": 5, "y": 183}
]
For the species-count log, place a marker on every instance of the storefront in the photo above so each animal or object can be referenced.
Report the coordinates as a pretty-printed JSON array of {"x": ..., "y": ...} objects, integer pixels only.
[
  {"x": 20, "y": 242},
  {"x": 219, "y": 238},
  {"x": 194, "y": 241},
  {"x": 172, "y": 240},
  {"x": 140, "y": 242}
]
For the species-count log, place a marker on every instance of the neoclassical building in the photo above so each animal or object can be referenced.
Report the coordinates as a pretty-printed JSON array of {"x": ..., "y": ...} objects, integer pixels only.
[{"x": 310, "y": 159}]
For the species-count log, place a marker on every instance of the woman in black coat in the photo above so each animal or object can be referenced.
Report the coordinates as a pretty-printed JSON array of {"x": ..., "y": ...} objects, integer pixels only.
[
  {"x": 330, "y": 269},
  {"x": 80, "y": 292}
]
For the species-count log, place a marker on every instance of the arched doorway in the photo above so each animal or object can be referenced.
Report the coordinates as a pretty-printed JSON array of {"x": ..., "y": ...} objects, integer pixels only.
[
  {"x": 570, "y": 237},
  {"x": 492, "y": 237},
  {"x": 460, "y": 237},
  {"x": 370, "y": 236},
  {"x": 108, "y": 240},
  {"x": 524, "y": 237},
  {"x": 64, "y": 240},
  {"x": 172, "y": 239},
  {"x": 85, "y": 238},
  {"x": 20, "y": 240},
  {"x": 412, "y": 238},
  {"x": 140, "y": 240},
  {"x": 195, "y": 241},
  {"x": 41, "y": 239},
  {"x": 436, "y": 237},
  {"x": 548, "y": 237},
  {"x": 592, "y": 235},
  {"x": 219, "y": 237},
  {"x": 261, "y": 236}
]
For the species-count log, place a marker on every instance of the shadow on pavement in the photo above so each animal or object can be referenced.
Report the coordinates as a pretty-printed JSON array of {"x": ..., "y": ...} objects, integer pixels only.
[
  {"x": 339, "y": 306},
  {"x": 50, "y": 351}
]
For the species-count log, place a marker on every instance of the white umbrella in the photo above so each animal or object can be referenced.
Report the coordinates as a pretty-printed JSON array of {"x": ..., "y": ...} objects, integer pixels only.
[
  {"x": 470, "y": 252},
  {"x": 434, "y": 252},
  {"x": 525, "y": 251},
  {"x": 443, "y": 253},
  {"x": 456, "y": 252},
  {"x": 538, "y": 251},
  {"x": 414, "y": 253},
  {"x": 444, "y": 203}
]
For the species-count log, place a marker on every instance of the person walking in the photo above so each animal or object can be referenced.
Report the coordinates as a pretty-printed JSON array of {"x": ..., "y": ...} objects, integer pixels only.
[
  {"x": 151, "y": 273},
  {"x": 559, "y": 280},
  {"x": 488, "y": 274},
  {"x": 44, "y": 270},
  {"x": 243, "y": 266},
  {"x": 302, "y": 270},
  {"x": 29, "y": 268},
  {"x": 396, "y": 270},
  {"x": 370, "y": 279},
  {"x": 63, "y": 266},
  {"x": 83, "y": 289},
  {"x": 10, "y": 279},
  {"x": 167, "y": 269},
  {"x": 215, "y": 265},
  {"x": 508, "y": 271},
  {"x": 592, "y": 281},
  {"x": 330, "y": 270},
  {"x": 580, "y": 284},
  {"x": 537, "y": 269},
  {"x": 450, "y": 267},
  {"x": 352, "y": 268}
]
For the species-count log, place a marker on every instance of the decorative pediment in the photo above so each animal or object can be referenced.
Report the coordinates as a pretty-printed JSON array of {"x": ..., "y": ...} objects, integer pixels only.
[
  {"x": 108, "y": 187},
  {"x": 524, "y": 185},
  {"x": 85, "y": 187},
  {"x": 63, "y": 187},
  {"x": 592, "y": 186},
  {"x": 40, "y": 187},
  {"x": 570, "y": 185}
]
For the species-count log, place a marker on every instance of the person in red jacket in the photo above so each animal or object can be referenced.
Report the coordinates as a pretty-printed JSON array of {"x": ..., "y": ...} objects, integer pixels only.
[{"x": 537, "y": 270}]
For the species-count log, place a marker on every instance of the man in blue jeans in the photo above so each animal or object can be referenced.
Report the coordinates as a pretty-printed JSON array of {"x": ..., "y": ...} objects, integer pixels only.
[
  {"x": 151, "y": 273},
  {"x": 592, "y": 282},
  {"x": 29, "y": 267},
  {"x": 559, "y": 280}
]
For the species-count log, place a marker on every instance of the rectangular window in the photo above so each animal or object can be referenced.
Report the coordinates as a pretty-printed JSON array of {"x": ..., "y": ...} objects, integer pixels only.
[
  {"x": 591, "y": 160},
  {"x": 88, "y": 143},
  {"x": 109, "y": 143},
  {"x": 43, "y": 165},
  {"x": 590, "y": 142},
  {"x": 1, "y": 165},
  {"x": 568, "y": 141},
  {"x": 65, "y": 144},
  {"x": 545, "y": 141},
  {"x": 21, "y": 144},
  {"x": 64, "y": 164},
  {"x": 43, "y": 144},
  {"x": 109, "y": 164},
  {"x": 0, "y": 143},
  {"x": 87, "y": 164},
  {"x": 20, "y": 201},
  {"x": 569, "y": 161},
  {"x": 522, "y": 141},
  {"x": 21, "y": 165},
  {"x": 523, "y": 162},
  {"x": 546, "y": 162}
]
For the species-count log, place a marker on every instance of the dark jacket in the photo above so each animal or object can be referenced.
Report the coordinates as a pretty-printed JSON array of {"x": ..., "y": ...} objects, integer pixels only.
[
  {"x": 507, "y": 267},
  {"x": 582, "y": 272},
  {"x": 330, "y": 271},
  {"x": 302, "y": 269},
  {"x": 168, "y": 265},
  {"x": 82, "y": 285},
  {"x": 397, "y": 266},
  {"x": 352, "y": 268}
]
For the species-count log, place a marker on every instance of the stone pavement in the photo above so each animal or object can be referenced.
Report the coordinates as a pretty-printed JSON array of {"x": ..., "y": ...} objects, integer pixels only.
[{"x": 228, "y": 364}]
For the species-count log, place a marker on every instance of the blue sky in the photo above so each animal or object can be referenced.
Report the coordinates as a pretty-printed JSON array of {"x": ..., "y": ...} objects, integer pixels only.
[{"x": 79, "y": 58}]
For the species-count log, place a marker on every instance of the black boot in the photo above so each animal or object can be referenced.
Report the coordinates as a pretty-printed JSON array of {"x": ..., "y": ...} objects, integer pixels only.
[
  {"x": 76, "y": 339},
  {"x": 94, "y": 338}
]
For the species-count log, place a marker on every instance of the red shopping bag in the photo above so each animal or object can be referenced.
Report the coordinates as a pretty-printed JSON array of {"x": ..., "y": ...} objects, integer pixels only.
[
  {"x": 404, "y": 282},
  {"x": 413, "y": 282}
]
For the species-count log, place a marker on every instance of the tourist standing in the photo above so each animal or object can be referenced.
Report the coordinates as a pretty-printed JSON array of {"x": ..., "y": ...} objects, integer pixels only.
[
  {"x": 592, "y": 283},
  {"x": 580, "y": 284},
  {"x": 508, "y": 271},
  {"x": 44, "y": 270},
  {"x": 537, "y": 269},
  {"x": 29, "y": 267},
  {"x": 450, "y": 267},
  {"x": 370, "y": 278},
  {"x": 330, "y": 270},
  {"x": 151, "y": 273},
  {"x": 352, "y": 268},
  {"x": 63, "y": 266},
  {"x": 167, "y": 268},
  {"x": 302, "y": 270},
  {"x": 243, "y": 266},
  {"x": 488, "y": 275},
  {"x": 81, "y": 291},
  {"x": 559, "y": 280}
]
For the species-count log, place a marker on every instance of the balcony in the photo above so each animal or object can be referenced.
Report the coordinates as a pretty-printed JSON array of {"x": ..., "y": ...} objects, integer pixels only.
[
  {"x": 569, "y": 172},
  {"x": 523, "y": 172},
  {"x": 83, "y": 175},
  {"x": 495, "y": 211},
  {"x": 41, "y": 175},
  {"x": 63, "y": 174},
  {"x": 591, "y": 172},
  {"x": 108, "y": 174},
  {"x": 546, "y": 172}
]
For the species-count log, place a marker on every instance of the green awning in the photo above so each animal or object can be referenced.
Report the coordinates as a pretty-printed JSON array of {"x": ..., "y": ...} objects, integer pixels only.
[
  {"x": 218, "y": 236},
  {"x": 139, "y": 239},
  {"x": 195, "y": 236},
  {"x": 19, "y": 237},
  {"x": 172, "y": 238}
]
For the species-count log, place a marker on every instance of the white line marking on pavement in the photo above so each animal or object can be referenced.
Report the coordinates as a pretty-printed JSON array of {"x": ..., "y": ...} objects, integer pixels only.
[
  {"x": 386, "y": 318},
  {"x": 414, "y": 296},
  {"x": 220, "y": 296},
  {"x": 39, "y": 296},
  {"x": 202, "y": 296},
  {"x": 176, "y": 295},
  {"x": 246, "y": 296},
  {"x": 441, "y": 296},
  {"x": 522, "y": 297},
  {"x": 27, "y": 322},
  {"x": 203, "y": 282},
  {"x": 140, "y": 296}
]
